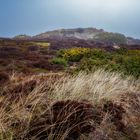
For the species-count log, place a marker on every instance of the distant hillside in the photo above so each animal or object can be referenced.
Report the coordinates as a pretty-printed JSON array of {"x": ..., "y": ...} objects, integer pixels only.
[
  {"x": 22, "y": 37},
  {"x": 80, "y": 33},
  {"x": 97, "y": 35},
  {"x": 132, "y": 41}
]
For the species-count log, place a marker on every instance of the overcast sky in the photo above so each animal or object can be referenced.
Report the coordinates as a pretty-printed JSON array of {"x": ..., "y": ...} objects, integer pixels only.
[{"x": 37, "y": 16}]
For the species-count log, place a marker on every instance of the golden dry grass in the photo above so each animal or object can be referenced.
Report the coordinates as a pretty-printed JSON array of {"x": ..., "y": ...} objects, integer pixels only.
[{"x": 106, "y": 99}]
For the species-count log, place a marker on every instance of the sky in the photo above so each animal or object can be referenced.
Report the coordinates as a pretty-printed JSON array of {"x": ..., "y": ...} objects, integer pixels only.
[{"x": 37, "y": 16}]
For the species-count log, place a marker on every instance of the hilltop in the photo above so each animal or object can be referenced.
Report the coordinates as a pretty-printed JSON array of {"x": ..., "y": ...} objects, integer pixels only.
[{"x": 92, "y": 34}]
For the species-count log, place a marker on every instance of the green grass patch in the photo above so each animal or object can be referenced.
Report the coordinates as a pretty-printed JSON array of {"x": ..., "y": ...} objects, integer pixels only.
[{"x": 60, "y": 61}]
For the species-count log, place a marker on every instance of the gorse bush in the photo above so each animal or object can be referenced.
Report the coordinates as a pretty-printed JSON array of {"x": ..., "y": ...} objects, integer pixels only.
[
  {"x": 122, "y": 60},
  {"x": 131, "y": 65},
  {"x": 73, "y": 54}
]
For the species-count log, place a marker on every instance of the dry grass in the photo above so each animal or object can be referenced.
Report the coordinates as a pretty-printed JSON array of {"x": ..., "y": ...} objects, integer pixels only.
[
  {"x": 94, "y": 86},
  {"x": 96, "y": 106}
]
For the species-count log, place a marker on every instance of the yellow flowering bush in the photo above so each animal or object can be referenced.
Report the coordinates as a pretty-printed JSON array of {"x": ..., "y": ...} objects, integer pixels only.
[{"x": 74, "y": 54}]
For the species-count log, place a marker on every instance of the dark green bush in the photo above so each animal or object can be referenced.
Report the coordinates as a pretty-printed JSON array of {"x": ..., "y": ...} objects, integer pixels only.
[
  {"x": 59, "y": 61},
  {"x": 120, "y": 61},
  {"x": 89, "y": 63},
  {"x": 132, "y": 65}
]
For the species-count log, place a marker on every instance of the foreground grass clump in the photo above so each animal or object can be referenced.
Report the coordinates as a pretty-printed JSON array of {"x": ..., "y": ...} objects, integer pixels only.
[{"x": 95, "y": 106}]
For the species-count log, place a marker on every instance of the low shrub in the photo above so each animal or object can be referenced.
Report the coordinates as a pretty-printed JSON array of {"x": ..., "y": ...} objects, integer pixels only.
[
  {"x": 59, "y": 61},
  {"x": 121, "y": 60},
  {"x": 73, "y": 54},
  {"x": 132, "y": 65}
]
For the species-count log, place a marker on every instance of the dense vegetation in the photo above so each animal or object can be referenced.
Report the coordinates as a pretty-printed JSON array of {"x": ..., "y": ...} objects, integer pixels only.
[
  {"x": 30, "y": 57},
  {"x": 122, "y": 60},
  {"x": 93, "y": 106},
  {"x": 68, "y": 93},
  {"x": 112, "y": 38}
]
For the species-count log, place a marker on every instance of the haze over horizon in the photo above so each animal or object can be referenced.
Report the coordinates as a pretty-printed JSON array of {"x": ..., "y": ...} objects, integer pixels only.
[{"x": 32, "y": 17}]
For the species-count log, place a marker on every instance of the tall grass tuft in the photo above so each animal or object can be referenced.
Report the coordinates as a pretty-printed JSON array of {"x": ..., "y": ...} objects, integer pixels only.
[{"x": 96, "y": 106}]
